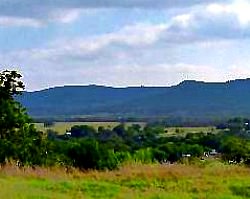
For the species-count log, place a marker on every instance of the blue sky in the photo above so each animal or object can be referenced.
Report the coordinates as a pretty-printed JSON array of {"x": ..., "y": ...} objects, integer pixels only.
[{"x": 124, "y": 43}]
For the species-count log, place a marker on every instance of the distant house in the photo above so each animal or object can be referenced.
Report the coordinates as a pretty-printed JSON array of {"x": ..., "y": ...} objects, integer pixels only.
[
  {"x": 213, "y": 152},
  {"x": 68, "y": 133},
  {"x": 186, "y": 155}
]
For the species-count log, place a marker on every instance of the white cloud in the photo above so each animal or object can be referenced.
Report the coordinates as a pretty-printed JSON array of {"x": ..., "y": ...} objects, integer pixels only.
[
  {"x": 110, "y": 44},
  {"x": 186, "y": 28},
  {"x": 238, "y": 72},
  {"x": 240, "y": 8},
  {"x": 141, "y": 53},
  {"x": 66, "y": 11},
  {"x": 65, "y": 16},
  {"x": 15, "y": 21},
  {"x": 212, "y": 22},
  {"x": 183, "y": 19},
  {"x": 115, "y": 68}
]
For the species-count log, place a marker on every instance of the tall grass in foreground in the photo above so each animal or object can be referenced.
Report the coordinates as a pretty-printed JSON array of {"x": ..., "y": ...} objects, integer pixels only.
[{"x": 134, "y": 181}]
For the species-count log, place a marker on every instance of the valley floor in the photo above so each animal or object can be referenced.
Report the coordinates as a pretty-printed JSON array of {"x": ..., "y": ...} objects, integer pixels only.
[{"x": 214, "y": 180}]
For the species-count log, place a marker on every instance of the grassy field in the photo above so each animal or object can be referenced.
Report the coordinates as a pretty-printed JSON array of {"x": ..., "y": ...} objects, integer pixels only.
[
  {"x": 215, "y": 181},
  {"x": 185, "y": 130},
  {"x": 61, "y": 127}
]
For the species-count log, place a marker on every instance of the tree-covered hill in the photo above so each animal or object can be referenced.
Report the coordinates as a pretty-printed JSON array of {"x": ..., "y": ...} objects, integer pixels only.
[{"x": 188, "y": 99}]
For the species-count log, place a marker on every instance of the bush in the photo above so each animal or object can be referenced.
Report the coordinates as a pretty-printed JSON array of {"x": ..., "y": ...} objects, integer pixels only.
[
  {"x": 144, "y": 155},
  {"x": 235, "y": 149},
  {"x": 88, "y": 154}
]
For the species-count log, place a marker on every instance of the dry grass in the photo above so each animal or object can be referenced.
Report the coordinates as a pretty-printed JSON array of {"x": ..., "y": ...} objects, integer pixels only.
[
  {"x": 135, "y": 181},
  {"x": 61, "y": 127},
  {"x": 184, "y": 130}
]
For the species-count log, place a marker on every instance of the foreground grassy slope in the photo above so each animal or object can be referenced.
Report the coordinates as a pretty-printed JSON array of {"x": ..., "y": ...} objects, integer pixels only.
[{"x": 137, "y": 181}]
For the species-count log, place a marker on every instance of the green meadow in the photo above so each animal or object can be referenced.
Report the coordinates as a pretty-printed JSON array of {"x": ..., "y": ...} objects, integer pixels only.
[{"x": 210, "y": 181}]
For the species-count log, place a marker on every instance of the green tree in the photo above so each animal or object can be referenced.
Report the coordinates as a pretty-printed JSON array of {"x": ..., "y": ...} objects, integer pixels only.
[
  {"x": 89, "y": 154},
  {"x": 19, "y": 140},
  {"x": 12, "y": 114},
  {"x": 236, "y": 149}
]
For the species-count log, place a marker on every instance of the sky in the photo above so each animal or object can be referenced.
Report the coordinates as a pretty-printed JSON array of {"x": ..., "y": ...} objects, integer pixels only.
[{"x": 126, "y": 42}]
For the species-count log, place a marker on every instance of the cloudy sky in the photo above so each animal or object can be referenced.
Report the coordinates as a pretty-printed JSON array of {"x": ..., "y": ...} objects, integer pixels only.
[{"x": 125, "y": 42}]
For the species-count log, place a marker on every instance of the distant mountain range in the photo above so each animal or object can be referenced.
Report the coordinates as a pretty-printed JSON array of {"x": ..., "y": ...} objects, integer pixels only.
[{"x": 189, "y": 99}]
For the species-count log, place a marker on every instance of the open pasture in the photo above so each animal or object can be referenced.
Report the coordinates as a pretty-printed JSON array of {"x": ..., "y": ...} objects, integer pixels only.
[
  {"x": 61, "y": 127},
  {"x": 182, "y": 131},
  {"x": 214, "y": 181}
]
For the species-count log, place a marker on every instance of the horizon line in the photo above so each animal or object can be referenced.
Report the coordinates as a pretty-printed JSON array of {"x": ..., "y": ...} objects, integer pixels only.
[{"x": 136, "y": 86}]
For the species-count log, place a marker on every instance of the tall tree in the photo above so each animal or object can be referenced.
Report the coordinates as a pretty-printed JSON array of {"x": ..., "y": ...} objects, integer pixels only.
[
  {"x": 12, "y": 114},
  {"x": 19, "y": 140}
]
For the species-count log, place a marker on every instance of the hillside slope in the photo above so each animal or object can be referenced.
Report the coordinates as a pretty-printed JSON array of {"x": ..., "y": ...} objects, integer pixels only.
[{"x": 188, "y": 99}]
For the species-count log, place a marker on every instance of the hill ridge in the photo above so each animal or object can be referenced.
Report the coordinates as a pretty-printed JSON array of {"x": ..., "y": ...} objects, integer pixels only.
[{"x": 189, "y": 98}]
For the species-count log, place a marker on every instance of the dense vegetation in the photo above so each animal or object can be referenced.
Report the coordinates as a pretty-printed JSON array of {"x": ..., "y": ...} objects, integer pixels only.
[
  {"x": 107, "y": 148},
  {"x": 198, "y": 102},
  {"x": 85, "y": 147}
]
